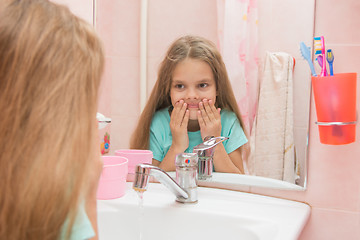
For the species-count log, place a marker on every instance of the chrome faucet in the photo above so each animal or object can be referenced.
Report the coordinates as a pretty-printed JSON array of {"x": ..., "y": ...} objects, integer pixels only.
[
  {"x": 205, "y": 152},
  {"x": 185, "y": 189}
]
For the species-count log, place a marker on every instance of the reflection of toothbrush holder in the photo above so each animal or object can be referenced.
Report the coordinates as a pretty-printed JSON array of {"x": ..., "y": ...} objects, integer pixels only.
[
  {"x": 104, "y": 132},
  {"x": 335, "y": 102}
]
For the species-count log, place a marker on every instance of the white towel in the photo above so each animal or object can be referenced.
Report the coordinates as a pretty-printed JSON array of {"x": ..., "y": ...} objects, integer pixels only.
[{"x": 272, "y": 139}]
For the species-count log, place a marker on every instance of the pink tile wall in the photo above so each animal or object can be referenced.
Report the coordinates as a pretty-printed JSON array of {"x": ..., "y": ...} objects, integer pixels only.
[{"x": 333, "y": 189}]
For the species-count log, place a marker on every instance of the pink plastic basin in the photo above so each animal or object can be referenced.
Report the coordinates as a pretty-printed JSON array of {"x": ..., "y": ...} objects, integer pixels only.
[
  {"x": 112, "y": 183},
  {"x": 135, "y": 156}
]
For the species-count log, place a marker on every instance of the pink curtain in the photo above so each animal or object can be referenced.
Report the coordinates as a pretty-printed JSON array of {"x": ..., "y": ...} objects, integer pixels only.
[{"x": 238, "y": 43}]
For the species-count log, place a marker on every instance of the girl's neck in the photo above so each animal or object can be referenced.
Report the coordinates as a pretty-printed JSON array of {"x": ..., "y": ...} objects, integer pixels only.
[{"x": 193, "y": 126}]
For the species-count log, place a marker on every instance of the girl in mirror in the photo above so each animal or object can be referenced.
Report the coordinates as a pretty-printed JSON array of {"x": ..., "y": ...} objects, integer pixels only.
[
  {"x": 192, "y": 99},
  {"x": 50, "y": 68}
]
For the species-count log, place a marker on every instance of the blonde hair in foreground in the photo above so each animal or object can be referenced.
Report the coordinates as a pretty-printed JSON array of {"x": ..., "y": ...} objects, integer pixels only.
[
  {"x": 194, "y": 47},
  {"x": 50, "y": 68}
]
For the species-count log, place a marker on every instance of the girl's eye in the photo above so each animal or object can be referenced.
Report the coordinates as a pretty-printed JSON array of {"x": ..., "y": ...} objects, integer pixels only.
[
  {"x": 203, "y": 85},
  {"x": 179, "y": 86}
]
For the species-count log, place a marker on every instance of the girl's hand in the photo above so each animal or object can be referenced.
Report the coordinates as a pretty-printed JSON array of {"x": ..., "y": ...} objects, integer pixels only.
[
  {"x": 178, "y": 126},
  {"x": 209, "y": 119}
]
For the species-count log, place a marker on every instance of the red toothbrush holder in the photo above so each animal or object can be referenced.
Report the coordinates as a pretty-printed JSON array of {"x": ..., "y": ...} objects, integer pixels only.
[{"x": 335, "y": 102}]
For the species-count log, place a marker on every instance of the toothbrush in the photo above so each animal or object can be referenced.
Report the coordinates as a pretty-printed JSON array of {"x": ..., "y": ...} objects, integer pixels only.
[
  {"x": 330, "y": 59},
  {"x": 319, "y": 48},
  {"x": 337, "y": 130},
  {"x": 319, "y": 60},
  {"x": 305, "y": 52}
]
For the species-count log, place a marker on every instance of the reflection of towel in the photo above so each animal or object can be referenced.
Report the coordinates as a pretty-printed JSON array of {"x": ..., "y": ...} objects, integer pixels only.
[{"x": 274, "y": 154}]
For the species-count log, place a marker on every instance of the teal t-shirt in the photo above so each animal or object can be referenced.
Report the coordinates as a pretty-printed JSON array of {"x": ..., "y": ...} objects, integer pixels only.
[
  {"x": 82, "y": 228},
  {"x": 161, "y": 138}
]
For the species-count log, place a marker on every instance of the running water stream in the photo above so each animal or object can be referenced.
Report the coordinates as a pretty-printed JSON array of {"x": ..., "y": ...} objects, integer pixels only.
[{"x": 141, "y": 213}]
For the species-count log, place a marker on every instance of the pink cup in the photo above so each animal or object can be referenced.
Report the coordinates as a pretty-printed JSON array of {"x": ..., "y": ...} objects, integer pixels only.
[
  {"x": 135, "y": 157},
  {"x": 112, "y": 183}
]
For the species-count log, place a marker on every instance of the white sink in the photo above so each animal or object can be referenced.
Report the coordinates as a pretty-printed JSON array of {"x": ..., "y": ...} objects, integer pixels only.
[{"x": 219, "y": 214}]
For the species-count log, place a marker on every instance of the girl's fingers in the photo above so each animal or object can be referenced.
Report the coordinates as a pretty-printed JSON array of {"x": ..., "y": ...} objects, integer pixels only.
[
  {"x": 204, "y": 115},
  {"x": 201, "y": 120},
  {"x": 179, "y": 112},
  {"x": 185, "y": 120},
  {"x": 174, "y": 113},
  {"x": 210, "y": 109},
  {"x": 184, "y": 114}
]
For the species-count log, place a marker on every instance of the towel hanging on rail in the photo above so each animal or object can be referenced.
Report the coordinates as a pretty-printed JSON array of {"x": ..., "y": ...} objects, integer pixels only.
[{"x": 272, "y": 139}]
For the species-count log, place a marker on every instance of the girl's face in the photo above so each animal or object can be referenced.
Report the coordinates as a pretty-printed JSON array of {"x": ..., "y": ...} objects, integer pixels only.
[{"x": 192, "y": 81}]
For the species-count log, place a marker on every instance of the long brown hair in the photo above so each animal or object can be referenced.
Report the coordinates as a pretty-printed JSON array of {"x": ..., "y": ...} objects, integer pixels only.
[
  {"x": 185, "y": 47},
  {"x": 50, "y": 68}
]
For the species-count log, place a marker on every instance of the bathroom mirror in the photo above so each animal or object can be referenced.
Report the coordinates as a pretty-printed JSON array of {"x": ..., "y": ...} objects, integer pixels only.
[{"x": 281, "y": 26}]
